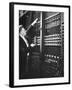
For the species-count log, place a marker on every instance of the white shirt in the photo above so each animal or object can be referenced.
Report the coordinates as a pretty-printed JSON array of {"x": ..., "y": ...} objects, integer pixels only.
[{"x": 25, "y": 40}]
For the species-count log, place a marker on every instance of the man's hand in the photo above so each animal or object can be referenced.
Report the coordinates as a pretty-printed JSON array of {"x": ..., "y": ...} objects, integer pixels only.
[{"x": 32, "y": 45}]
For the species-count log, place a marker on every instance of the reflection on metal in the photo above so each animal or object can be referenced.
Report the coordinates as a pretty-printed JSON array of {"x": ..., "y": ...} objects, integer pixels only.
[{"x": 41, "y": 33}]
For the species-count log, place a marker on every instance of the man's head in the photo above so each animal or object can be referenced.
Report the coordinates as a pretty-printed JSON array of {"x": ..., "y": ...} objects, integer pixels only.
[{"x": 22, "y": 31}]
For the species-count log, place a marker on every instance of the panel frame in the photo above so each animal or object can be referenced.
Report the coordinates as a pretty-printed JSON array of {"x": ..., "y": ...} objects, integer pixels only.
[{"x": 11, "y": 42}]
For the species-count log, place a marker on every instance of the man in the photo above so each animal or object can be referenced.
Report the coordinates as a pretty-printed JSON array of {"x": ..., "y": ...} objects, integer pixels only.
[{"x": 24, "y": 48}]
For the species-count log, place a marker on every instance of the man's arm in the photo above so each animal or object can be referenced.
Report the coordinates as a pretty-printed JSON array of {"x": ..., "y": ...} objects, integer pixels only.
[{"x": 32, "y": 24}]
